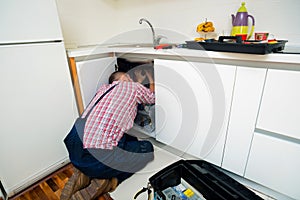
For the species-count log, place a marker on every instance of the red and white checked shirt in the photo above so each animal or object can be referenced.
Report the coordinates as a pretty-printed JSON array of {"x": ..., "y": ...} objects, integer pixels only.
[{"x": 114, "y": 114}]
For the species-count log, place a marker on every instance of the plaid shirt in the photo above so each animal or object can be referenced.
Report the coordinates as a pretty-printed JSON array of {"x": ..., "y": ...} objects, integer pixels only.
[{"x": 114, "y": 114}]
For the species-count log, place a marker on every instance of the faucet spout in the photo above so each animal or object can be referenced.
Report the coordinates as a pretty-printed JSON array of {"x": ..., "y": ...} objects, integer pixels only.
[{"x": 155, "y": 42}]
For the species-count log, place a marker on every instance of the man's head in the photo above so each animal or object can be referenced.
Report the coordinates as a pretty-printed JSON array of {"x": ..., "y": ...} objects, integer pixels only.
[{"x": 119, "y": 76}]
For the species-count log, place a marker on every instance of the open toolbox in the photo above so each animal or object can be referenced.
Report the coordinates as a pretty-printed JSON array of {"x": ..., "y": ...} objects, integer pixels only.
[
  {"x": 235, "y": 44},
  {"x": 197, "y": 179}
]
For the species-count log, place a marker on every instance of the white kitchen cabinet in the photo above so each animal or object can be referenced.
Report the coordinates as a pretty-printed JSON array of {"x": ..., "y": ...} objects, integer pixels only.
[
  {"x": 227, "y": 74},
  {"x": 92, "y": 74},
  {"x": 280, "y": 108},
  {"x": 275, "y": 148},
  {"x": 274, "y": 162},
  {"x": 245, "y": 104},
  {"x": 192, "y": 106}
]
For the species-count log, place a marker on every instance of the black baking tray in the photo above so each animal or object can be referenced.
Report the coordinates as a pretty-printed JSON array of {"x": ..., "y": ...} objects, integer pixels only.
[
  {"x": 205, "y": 177},
  {"x": 235, "y": 44}
]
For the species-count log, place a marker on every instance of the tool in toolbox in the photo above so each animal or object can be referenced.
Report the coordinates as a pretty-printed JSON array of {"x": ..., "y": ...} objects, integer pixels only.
[{"x": 144, "y": 189}]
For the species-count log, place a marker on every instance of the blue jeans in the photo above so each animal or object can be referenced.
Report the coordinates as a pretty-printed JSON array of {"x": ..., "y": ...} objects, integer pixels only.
[{"x": 121, "y": 162}]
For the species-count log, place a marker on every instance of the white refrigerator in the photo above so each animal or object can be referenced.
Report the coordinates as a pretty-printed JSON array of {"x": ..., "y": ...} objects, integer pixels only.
[{"x": 37, "y": 102}]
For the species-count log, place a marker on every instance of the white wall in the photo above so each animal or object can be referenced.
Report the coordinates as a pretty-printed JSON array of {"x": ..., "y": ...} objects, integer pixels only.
[
  {"x": 96, "y": 21},
  {"x": 87, "y": 21}
]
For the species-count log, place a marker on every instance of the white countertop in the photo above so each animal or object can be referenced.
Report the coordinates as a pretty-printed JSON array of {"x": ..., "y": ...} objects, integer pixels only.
[{"x": 273, "y": 60}]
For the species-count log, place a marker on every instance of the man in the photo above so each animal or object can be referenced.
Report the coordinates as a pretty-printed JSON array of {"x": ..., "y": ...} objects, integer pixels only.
[{"x": 112, "y": 155}]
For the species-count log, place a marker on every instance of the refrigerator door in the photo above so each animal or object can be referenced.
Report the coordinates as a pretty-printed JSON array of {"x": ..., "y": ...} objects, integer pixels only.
[
  {"x": 37, "y": 110},
  {"x": 29, "y": 21}
]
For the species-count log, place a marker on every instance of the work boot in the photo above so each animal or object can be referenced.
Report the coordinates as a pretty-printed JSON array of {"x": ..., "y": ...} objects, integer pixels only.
[
  {"x": 76, "y": 182},
  {"x": 113, "y": 183},
  {"x": 96, "y": 188},
  {"x": 105, "y": 196}
]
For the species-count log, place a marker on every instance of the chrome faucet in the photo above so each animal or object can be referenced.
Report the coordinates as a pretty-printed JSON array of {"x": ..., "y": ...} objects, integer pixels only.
[{"x": 156, "y": 39}]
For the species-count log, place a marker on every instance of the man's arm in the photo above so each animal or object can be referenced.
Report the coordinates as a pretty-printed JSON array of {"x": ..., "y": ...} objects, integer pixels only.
[
  {"x": 144, "y": 95},
  {"x": 151, "y": 80}
]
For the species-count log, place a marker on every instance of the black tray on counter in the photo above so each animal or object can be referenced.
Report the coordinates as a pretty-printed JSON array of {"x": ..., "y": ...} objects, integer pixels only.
[{"x": 237, "y": 45}]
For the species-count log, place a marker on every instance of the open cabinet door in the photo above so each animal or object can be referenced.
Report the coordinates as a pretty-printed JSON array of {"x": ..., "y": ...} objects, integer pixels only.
[
  {"x": 92, "y": 74},
  {"x": 192, "y": 106},
  {"x": 178, "y": 93}
]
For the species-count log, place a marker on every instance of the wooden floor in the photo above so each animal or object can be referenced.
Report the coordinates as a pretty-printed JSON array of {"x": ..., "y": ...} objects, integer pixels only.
[{"x": 48, "y": 189}]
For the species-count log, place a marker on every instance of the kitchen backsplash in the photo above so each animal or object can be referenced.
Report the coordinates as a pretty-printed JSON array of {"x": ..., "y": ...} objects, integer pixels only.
[{"x": 96, "y": 22}]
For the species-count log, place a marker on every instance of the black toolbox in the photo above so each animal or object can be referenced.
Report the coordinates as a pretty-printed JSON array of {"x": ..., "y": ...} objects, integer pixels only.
[
  {"x": 205, "y": 179},
  {"x": 237, "y": 45}
]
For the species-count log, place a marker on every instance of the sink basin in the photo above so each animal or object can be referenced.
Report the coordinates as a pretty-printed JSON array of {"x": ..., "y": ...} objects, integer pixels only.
[{"x": 143, "y": 45}]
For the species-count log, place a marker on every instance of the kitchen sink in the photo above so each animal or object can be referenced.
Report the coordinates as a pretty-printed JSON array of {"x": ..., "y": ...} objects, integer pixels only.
[{"x": 141, "y": 45}]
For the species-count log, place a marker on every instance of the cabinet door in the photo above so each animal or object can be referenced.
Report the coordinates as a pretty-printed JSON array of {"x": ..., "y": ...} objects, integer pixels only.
[
  {"x": 280, "y": 108},
  {"x": 274, "y": 162},
  {"x": 245, "y": 104},
  {"x": 92, "y": 74},
  {"x": 220, "y": 87},
  {"x": 191, "y": 106}
]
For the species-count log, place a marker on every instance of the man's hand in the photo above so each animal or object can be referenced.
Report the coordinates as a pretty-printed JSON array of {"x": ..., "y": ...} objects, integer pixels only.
[
  {"x": 151, "y": 80},
  {"x": 149, "y": 76}
]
